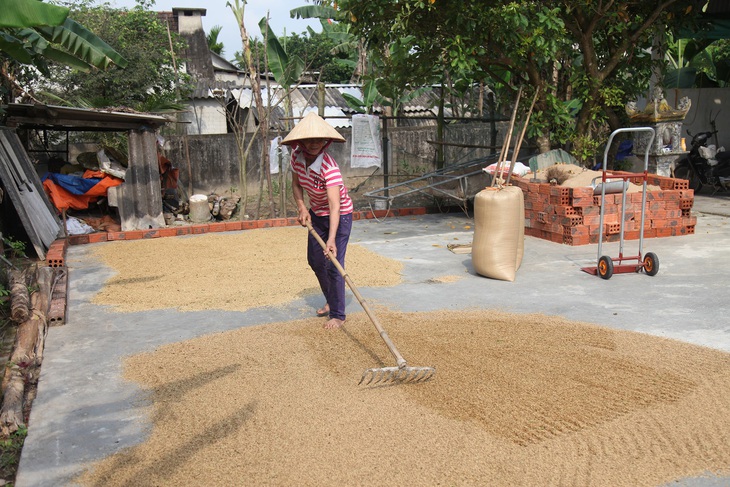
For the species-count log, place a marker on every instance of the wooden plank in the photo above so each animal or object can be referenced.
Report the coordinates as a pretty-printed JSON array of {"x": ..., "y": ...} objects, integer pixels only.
[{"x": 26, "y": 193}]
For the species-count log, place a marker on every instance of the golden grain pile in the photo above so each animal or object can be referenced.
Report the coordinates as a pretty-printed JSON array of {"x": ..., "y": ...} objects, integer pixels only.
[
  {"x": 516, "y": 400},
  {"x": 226, "y": 271}
]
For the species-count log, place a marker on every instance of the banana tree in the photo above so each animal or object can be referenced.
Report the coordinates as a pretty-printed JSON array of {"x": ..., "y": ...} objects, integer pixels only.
[
  {"x": 332, "y": 26},
  {"x": 286, "y": 71}
]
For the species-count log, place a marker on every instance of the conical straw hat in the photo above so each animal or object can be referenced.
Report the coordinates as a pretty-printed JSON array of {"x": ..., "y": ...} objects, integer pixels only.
[{"x": 312, "y": 127}]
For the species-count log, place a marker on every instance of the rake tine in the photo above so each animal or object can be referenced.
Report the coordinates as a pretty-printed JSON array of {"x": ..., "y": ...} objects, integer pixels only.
[
  {"x": 368, "y": 372},
  {"x": 403, "y": 374}
]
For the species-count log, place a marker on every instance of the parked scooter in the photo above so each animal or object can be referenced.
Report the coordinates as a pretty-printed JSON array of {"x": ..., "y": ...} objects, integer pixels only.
[{"x": 704, "y": 165}]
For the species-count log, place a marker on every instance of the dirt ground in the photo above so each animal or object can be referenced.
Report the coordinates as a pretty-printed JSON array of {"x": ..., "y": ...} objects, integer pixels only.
[{"x": 516, "y": 399}]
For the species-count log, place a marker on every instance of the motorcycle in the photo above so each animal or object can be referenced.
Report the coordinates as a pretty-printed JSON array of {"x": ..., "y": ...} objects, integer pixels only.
[{"x": 704, "y": 164}]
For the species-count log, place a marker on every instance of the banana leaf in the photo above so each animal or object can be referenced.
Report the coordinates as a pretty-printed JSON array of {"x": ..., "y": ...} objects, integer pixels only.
[
  {"x": 31, "y": 13},
  {"x": 14, "y": 47},
  {"x": 286, "y": 70},
  {"x": 83, "y": 44}
]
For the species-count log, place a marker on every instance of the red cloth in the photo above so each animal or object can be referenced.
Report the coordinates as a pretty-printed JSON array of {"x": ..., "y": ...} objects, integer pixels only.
[{"x": 168, "y": 174}]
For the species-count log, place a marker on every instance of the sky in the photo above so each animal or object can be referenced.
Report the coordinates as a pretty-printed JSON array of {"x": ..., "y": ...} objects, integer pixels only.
[{"x": 217, "y": 13}]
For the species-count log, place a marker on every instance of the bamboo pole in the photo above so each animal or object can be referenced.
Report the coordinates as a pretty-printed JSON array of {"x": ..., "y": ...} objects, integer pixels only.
[
  {"x": 505, "y": 146},
  {"x": 516, "y": 152}
]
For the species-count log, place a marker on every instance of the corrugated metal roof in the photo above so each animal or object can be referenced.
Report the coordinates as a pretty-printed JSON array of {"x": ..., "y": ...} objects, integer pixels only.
[
  {"x": 78, "y": 119},
  {"x": 421, "y": 110}
]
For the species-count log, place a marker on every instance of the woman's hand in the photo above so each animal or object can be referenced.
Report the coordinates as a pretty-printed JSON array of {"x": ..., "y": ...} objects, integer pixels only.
[
  {"x": 304, "y": 217},
  {"x": 331, "y": 247}
]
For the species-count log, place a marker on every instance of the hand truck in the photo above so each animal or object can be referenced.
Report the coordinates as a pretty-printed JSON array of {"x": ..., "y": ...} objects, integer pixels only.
[{"x": 607, "y": 266}]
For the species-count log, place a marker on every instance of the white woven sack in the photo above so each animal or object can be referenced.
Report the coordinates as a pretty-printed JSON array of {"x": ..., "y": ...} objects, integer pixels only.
[{"x": 499, "y": 232}]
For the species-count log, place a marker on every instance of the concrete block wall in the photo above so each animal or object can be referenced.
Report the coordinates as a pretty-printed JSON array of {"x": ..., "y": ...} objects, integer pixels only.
[{"x": 571, "y": 216}]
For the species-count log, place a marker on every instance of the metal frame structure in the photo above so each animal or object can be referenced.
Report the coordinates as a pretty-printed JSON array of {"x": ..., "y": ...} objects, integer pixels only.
[{"x": 435, "y": 182}]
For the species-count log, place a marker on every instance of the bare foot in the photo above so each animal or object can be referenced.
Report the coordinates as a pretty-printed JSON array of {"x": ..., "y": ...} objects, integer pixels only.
[
  {"x": 334, "y": 324},
  {"x": 324, "y": 310}
]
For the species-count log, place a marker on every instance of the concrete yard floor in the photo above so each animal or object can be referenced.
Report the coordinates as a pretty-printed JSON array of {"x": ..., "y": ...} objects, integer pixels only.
[{"x": 84, "y": 411}]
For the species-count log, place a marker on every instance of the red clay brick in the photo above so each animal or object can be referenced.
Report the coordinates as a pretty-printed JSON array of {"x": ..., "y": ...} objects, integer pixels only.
[
  {"x": 75, "y": 240},
  {"x": 686, "y": 203},
  {"x": 151, "y": 233},
  {"x": 576, "y": 240},
  {"x": 583, "y": 192},
  {"x": 571, "y": 221},
  {"x": 681, "y": 184},
  {"x": 591, "y": 219},
  {"x": 583, "y": 202},
  {"x": 249, "y": 225},
  {"x": 217, "y": 227},
  {"x": 97, "y": 237},
  {"x": 167, "y": 232},
  {"x": 578, "y": 231},
  {"x": 200, "y": 229},
  {"x": 133, "y": 234},
  {"x": 560, "y": 191}
]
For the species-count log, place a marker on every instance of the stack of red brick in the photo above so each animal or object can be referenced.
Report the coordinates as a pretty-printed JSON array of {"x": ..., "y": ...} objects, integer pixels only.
[
  {"x": 56, "y": 254},
  {"x": 571, "y": 216},
  {"x": 56, "y": 257}
]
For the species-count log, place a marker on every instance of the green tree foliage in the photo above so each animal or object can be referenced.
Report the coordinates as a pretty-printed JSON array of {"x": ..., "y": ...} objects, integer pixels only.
[
  {"x": 212, "y": 38},
  {"x": 149, "y": 82},
  {"x": 319, "y": 54},
  {"x": 586, "y": 57}
]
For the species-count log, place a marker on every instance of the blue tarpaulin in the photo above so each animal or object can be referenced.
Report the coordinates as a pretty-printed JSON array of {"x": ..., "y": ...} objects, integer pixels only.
[{"x": 72, "y": 184}]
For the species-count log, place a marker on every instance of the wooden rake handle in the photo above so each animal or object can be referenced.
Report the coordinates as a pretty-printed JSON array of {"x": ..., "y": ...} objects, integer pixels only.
[{"x": 383, "y": 334}]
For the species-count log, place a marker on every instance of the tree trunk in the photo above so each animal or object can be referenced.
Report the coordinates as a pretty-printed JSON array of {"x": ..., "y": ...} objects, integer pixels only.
[
  {"x": 19, "y": 295},
  {"x": 27, "y": 354},
  {"x": 543, "y": 143},
  {"x": 260, "y": 109}
]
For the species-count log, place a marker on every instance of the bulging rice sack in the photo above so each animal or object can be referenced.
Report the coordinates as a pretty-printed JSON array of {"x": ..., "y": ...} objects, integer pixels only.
[{"x": 499, "y": 232}]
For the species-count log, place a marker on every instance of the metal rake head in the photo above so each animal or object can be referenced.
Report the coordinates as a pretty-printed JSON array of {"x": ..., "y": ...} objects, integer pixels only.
[{"x": 390, "y": 375}]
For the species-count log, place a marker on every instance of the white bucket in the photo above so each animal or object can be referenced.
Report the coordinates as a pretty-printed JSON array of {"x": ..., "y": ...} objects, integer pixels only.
[{"x": 199, "y": 209}]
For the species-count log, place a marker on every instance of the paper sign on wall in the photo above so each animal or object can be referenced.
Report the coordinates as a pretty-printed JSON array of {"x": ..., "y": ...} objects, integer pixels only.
[
  {"x": 278, "y": 156},
  {"x": 366, "y": 147}
]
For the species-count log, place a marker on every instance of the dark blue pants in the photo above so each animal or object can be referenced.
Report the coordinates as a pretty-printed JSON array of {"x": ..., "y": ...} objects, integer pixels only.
[{"x": 330, "y": 280}]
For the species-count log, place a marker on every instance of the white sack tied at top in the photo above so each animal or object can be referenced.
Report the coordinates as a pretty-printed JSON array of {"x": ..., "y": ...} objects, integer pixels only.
[
  {"x": 519, "y": 169},
  {"x": 366, "y": 147},
  {"x": 278, "y": 156}
]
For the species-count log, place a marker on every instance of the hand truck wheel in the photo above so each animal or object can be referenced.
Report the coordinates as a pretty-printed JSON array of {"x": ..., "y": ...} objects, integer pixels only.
[
  {"x": 605, "y": 267},
  {"x": 651, "y": 264}
]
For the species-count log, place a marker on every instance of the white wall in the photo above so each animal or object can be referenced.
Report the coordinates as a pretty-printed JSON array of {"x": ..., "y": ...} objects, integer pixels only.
[
  {"x": 706, "y": 103},
  {"x": 206, "y": 117}
]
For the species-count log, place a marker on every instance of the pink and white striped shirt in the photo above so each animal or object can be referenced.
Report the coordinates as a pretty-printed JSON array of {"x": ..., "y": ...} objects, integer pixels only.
[{"x": 315, "y": 179}]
